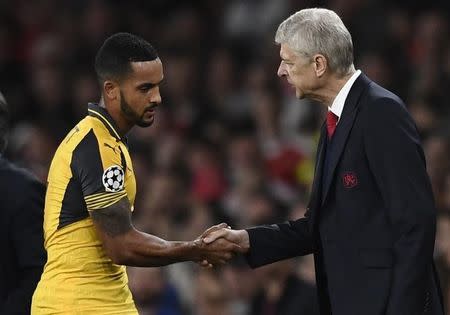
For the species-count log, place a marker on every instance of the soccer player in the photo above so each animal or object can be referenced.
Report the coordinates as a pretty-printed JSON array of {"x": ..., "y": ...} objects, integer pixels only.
[{"x": 88, "y": 231}]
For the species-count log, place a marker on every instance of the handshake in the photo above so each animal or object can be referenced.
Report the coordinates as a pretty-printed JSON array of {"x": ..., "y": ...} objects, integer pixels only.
[{"x": 219, "y": 244}]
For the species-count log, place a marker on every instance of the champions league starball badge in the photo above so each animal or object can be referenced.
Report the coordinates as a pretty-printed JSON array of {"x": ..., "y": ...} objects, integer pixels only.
[{"x": 113, "y": 178}]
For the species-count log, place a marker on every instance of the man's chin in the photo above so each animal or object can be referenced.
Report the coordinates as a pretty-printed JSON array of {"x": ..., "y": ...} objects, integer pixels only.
[{"x": 145, "y": 123}]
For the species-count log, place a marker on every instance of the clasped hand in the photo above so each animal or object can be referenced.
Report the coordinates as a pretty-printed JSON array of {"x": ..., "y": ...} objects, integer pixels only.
[{"x": 220, "y": 243}]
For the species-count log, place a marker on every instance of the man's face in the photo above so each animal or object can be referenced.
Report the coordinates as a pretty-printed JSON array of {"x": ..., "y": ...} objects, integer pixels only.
[
  {"x": 139, "y": 92},
  {"x": 298, "y": 70}
]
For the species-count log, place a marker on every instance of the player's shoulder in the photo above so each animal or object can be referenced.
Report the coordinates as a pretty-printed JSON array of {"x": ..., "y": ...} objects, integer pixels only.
[
  {"x": 86, "y": 131},
  {"x": 95, "y": 143},
  {"x": 76, "y": 135},
  {"x": 74, "y": 138}
]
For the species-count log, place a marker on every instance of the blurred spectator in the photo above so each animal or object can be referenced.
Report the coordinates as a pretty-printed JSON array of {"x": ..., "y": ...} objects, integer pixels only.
[
  {"x": 437, "y": 151},
  {"x": 212, "y": 297},
  {"x": 32, "y": 146},
  {"x": 425, "y": 115},
  {"x": 283, "y": 293},
  {"x": 208, "y": 181},
  {"x": 152, "y": 293}
]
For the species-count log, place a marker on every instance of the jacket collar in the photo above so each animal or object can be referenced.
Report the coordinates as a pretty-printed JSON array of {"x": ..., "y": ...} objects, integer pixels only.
[{"x": 100, "y": 113}]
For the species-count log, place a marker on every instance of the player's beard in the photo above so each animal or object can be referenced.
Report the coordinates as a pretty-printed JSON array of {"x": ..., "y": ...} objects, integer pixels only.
[{"x": 132, "y": 115}]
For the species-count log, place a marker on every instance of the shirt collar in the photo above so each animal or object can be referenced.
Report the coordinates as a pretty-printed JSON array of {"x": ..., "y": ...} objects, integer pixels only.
[
  {"x": 96, "y": 111},
  {"x": 339, "y": 101}
]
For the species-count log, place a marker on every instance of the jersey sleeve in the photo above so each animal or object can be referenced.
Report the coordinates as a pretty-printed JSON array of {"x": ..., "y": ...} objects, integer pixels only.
[{"x": 99, "y": 168}]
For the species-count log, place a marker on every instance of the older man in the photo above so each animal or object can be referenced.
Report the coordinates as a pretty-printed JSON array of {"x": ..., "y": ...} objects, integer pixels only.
[{"x": 371, "y": 218}]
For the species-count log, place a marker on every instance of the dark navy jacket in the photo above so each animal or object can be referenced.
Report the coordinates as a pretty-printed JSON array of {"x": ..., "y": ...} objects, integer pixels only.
[
  {"x": 371, "y": 226},
  {"x": 21, "y": 237}
]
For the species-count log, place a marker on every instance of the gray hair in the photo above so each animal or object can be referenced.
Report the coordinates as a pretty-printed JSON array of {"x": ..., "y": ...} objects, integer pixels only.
[{"x": 319, "y": 31}]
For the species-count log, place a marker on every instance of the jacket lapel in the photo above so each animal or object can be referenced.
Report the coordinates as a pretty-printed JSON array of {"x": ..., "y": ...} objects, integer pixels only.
[{"x": 343, "y": 128}]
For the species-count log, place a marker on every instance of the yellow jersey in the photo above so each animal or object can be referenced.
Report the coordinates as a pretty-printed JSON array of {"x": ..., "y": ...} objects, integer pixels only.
[{"x": 91, "y": 170}]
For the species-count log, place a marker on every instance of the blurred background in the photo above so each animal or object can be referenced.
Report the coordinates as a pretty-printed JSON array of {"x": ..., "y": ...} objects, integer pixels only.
[{"x": 230, "y": 142}]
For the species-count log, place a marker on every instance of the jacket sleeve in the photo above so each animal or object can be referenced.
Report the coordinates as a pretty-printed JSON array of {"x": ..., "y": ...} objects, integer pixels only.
[
  {"x": 276, "y": 242},
  {"x": 397, "y": 163},
  {"x": 28, "y": 244}
]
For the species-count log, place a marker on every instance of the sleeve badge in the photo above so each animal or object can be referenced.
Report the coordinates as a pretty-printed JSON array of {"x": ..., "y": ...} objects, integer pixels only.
[{"x": 113, "y": 178}]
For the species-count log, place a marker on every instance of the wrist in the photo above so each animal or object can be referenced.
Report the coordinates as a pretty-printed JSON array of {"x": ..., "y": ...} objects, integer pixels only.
[
  {"x": 244, "y": 240},
  {"x": 194, "y": 249}
]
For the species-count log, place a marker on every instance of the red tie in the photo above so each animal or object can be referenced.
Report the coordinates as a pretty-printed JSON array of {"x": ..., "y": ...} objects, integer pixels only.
[{"x": 332, "y": 120}]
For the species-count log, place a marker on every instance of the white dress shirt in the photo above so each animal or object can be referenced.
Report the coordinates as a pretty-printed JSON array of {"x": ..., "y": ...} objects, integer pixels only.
[{"x": 338, "y": 104}]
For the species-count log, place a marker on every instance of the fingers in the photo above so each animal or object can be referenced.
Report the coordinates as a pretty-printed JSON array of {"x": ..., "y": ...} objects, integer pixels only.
[
  {"x": 234, "y": 248},
  {"x": 220, "y": 252},
  {"x": 215, "y": 228},
  {"x": 237, "y": 249},
  {"x": 224, "y": 245},
  {"x": 220, "y": 244},
  {"x": 220, "y": 260},
  {"x": 215, "y": 235}
]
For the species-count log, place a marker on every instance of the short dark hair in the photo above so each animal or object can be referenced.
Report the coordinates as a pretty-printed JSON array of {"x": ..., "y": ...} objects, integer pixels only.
[
  {"x": 113, "y": 59},
  {"x": 4, "y": 123}
]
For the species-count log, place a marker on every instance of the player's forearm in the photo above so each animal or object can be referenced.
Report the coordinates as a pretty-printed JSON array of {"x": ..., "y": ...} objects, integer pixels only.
[
  {"x": 127, "y": 246},
  {"x": 146, "y": 250}
]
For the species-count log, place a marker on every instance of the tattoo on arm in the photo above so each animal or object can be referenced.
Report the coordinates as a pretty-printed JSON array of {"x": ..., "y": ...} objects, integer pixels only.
[{"x": 115, "y": 219}]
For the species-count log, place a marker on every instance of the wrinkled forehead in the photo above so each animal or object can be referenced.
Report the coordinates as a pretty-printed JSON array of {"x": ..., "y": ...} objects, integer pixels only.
[{"x": 287, "y": 53}]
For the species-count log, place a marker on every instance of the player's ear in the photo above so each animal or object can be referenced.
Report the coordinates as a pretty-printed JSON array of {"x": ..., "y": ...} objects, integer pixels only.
[{"x": 110, "y": 90}]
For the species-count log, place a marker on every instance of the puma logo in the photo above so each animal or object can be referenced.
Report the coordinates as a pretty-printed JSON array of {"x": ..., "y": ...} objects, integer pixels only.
[{"x": 109, "y": 146}]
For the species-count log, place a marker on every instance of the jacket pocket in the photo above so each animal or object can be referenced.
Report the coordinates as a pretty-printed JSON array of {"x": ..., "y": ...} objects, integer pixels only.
[{"x": 376, "y": 257}]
